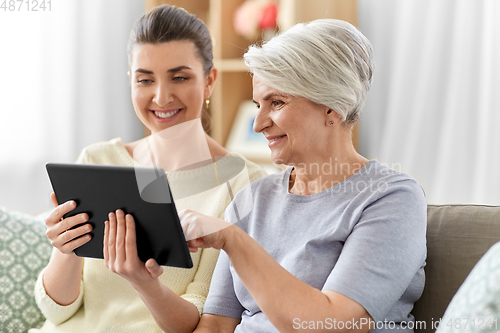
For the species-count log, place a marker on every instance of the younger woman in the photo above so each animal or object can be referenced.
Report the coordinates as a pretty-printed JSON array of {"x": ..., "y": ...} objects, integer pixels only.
[{"x": 172, "y": 77}]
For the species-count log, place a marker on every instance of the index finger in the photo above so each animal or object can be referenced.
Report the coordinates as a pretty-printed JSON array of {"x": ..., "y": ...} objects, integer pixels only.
[
  {"x": 54, "y": 199},
  {"x": 57, "y": 214}
]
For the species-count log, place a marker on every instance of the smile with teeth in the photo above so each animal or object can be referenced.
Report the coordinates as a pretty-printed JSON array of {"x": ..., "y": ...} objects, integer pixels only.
[
  {"x": 166, "y": 114},
  {"x": 276, "y": 138}
]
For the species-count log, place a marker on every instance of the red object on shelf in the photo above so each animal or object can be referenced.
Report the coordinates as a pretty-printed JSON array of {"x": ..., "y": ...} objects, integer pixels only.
[{"x": 269, "y": 16}]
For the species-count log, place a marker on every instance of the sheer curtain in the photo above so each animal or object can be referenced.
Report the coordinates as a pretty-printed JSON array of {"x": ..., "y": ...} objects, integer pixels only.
[
  {"x": 434, "y": 107},
  {"x": 64, "y": 86}
]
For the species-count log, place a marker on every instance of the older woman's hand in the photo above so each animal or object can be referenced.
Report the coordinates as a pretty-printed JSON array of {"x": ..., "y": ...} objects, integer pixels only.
[
  {"x": 202, "y": 231},
  {"x": 66, "y": 234},
  {"x": 120, "y": 251}
]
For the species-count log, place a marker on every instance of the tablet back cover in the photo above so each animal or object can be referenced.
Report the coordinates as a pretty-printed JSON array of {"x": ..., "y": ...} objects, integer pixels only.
[{"x": 101, "y": 189}]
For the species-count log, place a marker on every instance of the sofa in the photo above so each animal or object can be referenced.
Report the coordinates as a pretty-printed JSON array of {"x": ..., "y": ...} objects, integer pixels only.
[{"x": 457, "y": 237}]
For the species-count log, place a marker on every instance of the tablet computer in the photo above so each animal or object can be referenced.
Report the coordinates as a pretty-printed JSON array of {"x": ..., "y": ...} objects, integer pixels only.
[{"x": 142, "y": 192}]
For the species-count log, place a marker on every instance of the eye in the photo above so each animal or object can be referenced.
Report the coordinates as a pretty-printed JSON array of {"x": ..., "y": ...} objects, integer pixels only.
[
  {"x": 144, "y": 81},
  {"x": 277, "y": 103},
  {"x": 180, "y": 78}
]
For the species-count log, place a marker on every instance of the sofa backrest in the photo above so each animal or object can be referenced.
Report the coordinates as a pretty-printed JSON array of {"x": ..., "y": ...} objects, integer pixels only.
[{"x": 457, "y": 237}]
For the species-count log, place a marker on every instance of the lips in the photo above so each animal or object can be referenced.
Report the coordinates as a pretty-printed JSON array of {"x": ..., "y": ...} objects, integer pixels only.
[
  {"x": 166, "y": 115},
  {"x": 274, "y": 140},
  {"x": 274, "y": 137}
]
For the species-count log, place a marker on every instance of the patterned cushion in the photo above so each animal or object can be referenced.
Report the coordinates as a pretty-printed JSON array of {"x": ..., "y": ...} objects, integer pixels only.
[
  {"x": 24, "y": 252},
  {"x": 476, "y": 305}
]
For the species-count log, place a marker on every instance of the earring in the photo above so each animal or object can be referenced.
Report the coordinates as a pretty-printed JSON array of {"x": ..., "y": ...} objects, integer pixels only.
[
  {"x": 207, "y": 102},
  {"x": 331, "y": 122}
]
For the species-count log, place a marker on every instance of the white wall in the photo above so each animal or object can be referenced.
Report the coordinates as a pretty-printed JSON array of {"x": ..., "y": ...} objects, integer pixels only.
[
  {"x": 434, "y": 107},
  {"x": 63, "y": 86}
]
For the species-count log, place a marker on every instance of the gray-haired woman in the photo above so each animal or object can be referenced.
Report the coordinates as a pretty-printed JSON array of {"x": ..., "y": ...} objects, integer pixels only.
[{"x": 335, "y": 243}]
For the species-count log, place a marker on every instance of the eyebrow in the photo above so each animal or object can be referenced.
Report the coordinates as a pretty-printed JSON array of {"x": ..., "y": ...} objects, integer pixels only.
[
  {"x": 178, "y": 68},
  {"x": 268, "y": 96},
  {"x": 172, "y": 70},
  {"x": 145, "y": 71}
]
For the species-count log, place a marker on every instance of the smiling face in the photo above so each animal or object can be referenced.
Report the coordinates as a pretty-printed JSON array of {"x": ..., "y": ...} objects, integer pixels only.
[
  {"x": 168, "y": 84},
  {"x": 294, "y": 126}
]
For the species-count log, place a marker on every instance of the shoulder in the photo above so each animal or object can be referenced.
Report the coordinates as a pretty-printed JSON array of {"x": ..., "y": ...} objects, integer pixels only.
[
  {"x": 112, "y": 152},
  {"x": 395, "y": 195},
  {"x": 244, "y": 166},
  {"x": 266, "y": 184},
  {"x": 383, "y": 191},
  {"x": 258, "y": 194}
]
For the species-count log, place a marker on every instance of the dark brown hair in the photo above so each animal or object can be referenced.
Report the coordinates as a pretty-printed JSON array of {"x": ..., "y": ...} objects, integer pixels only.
[{"x": 167, "y": 23}]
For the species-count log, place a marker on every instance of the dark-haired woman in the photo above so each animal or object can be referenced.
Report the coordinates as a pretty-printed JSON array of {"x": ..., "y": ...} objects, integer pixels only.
[{"x": 172, "y": 77}]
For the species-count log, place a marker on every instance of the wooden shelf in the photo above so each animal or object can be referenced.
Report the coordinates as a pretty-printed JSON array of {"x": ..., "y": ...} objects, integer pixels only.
[
  {"x": 231, "y": 65},
  {"x": 234, "y": 83}
]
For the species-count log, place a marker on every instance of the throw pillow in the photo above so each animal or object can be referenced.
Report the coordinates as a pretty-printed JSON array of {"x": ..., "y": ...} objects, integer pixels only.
[
  {"x": 476, "y": 305},
  {"x": 24, "y": 251}
]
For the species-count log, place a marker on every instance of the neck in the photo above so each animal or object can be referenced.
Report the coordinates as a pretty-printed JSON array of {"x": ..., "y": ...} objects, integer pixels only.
[
  {"x": 176, "y": 147},
  {"x": 326, "y": 169}
]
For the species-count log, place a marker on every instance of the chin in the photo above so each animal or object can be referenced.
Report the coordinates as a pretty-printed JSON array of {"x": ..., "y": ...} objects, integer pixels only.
[{"x": 277, "y": 159}]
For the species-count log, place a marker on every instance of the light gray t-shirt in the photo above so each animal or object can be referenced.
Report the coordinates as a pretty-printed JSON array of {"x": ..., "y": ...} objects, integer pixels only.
[{"x": 364, "y": 238}]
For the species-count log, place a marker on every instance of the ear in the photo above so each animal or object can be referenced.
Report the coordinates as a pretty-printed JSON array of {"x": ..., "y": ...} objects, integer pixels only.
[
  {"x": 332, "y": 118},
  {"x": 210, "y": 82}
]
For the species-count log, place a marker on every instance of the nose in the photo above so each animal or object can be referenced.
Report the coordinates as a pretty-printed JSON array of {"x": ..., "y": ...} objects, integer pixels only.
[
  {"x": 262, "y": 121},
  {"x": 162, "y": 95}
]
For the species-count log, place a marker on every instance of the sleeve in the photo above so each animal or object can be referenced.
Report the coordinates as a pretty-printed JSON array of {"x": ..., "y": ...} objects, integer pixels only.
[
  {"x": 385, "y": 250},
  {"x": 221, "y": 298},
  {"x": 52, "y": 311},
  {"x": 197, "y": 290}
]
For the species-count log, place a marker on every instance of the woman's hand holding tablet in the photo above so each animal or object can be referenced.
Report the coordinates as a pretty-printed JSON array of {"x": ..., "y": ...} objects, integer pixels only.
[
  {"x": 67, "y": 234},
  {"x": 120, "y": 251}
]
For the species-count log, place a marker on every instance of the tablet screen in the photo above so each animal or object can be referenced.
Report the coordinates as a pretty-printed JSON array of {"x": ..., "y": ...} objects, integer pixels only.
[{"x": 101, "y": 189}]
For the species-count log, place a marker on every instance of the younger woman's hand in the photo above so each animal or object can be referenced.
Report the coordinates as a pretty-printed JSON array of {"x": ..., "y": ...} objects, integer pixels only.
[
  {"x": 120, "y": 251},
  {"x": 59, "y": 229},
  {"x": 202, "y": 231}
]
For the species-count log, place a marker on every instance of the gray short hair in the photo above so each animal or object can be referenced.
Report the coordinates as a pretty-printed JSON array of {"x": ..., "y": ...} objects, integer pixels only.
[{"x": 326, "y": 61}]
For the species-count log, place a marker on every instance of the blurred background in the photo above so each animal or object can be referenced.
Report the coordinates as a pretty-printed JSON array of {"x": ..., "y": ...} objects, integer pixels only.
[{"x": 433, "y": 110}]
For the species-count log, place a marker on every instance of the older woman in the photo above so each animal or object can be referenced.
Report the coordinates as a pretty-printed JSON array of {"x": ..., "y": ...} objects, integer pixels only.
[{"x": 337, "y": 242}]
